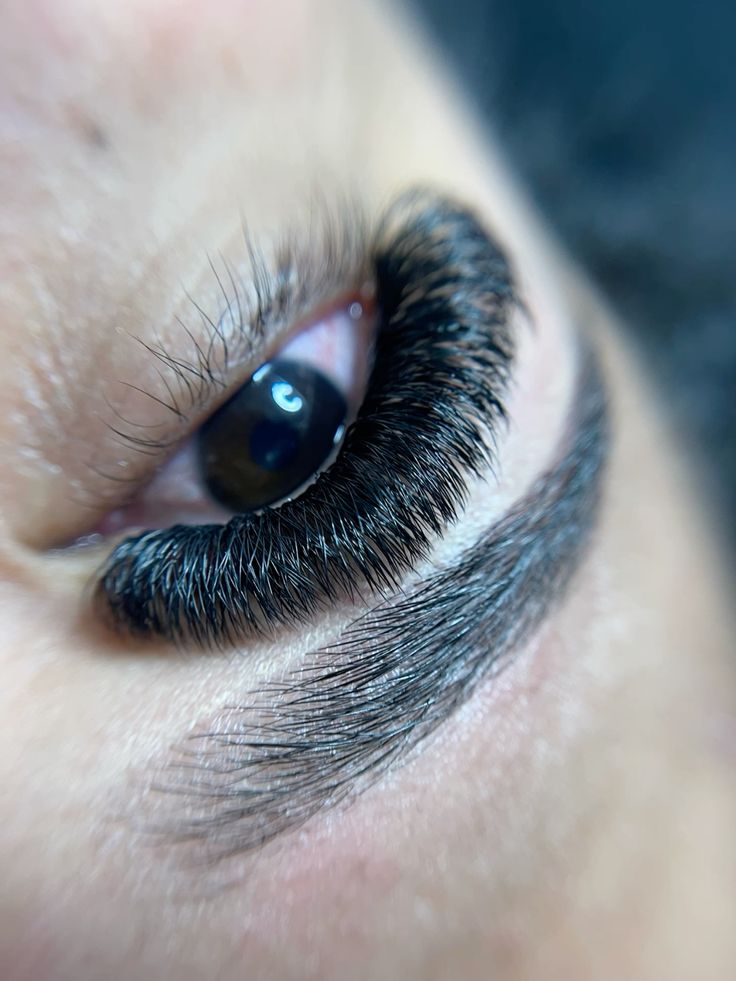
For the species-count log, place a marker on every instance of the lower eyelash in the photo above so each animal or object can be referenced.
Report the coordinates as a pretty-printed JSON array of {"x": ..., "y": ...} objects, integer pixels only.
[{"x": 444, "y": 296}]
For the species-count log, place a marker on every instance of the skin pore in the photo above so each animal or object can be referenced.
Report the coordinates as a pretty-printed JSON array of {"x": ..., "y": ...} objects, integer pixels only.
[{"x": 572, "y": 818}]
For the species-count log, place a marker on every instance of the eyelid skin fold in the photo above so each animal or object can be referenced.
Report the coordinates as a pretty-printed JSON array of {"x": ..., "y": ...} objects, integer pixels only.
[
  {"x": 444, "y": 295},
  {"x": 330, "y": 728}
]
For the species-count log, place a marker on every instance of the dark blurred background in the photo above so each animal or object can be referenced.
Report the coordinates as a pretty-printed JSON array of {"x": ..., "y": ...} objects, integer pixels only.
[{"x": 621, "y": 119}]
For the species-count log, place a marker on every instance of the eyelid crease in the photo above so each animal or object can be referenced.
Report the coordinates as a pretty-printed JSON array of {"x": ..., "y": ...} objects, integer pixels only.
[{"x": 329, "y": 729}]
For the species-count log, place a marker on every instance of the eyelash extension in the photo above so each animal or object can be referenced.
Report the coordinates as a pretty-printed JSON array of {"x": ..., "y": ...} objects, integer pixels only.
[
  {"x": 444, "y": 348},
  {"x": 330, "y": 728}
]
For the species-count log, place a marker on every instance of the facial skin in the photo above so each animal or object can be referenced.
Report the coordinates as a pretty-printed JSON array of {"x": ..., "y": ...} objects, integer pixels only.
[{"x": 574, "y": 818}]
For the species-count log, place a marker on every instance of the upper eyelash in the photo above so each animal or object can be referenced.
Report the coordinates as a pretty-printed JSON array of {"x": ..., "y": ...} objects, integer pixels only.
[{"x": 444, "y": 350}]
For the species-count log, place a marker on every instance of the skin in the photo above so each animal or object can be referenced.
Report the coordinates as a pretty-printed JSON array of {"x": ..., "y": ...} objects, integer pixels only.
[{"x": 575, "y": 818}]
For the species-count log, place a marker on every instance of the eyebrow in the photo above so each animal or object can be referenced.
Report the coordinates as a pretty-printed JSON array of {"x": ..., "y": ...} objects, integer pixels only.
[{"x": 327, "y": 732}]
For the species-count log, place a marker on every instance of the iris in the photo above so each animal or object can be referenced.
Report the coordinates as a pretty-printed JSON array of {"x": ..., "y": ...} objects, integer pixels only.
[{"x": 272, "y": 436}]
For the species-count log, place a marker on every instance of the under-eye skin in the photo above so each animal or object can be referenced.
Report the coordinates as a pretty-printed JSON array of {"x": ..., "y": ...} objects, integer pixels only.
[
  {"x": 444, "y": 350},
  {"x": 327, "y": 730}
]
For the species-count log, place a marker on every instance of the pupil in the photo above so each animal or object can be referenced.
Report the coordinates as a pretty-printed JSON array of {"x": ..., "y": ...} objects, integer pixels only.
[
  {"x": 272, "y": 436},
  {"x": 273, "y": 445}
]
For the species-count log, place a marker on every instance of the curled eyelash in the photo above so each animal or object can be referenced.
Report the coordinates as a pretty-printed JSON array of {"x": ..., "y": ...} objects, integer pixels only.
[{"x": 444, "y": 295}]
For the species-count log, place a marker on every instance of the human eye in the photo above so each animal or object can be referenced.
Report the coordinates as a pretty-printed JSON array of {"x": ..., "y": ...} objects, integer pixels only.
[{"x": 443, "y": 299}]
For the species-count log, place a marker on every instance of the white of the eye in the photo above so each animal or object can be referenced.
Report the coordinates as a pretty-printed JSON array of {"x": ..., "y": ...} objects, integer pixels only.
[{"x": 285, "y": 397}]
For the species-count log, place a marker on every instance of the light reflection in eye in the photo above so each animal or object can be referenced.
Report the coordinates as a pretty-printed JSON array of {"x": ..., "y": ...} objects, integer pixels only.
[
  {"x": 272, "y": 436},
  {"x": 285, "y": 397}
]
